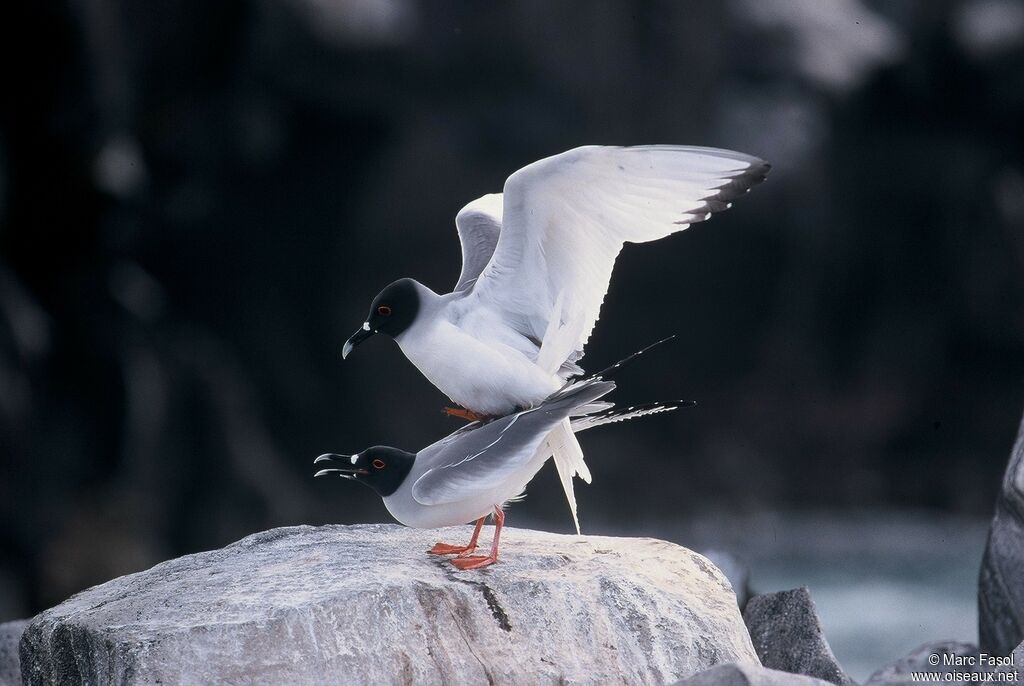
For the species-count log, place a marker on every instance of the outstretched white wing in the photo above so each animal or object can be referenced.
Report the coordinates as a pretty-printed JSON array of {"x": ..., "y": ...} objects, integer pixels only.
[
  {"x": 479, "y": 224},
  {"x": 565, "y": 219}
]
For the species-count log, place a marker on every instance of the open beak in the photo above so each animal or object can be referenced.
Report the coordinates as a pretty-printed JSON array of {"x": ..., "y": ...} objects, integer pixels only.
[
  {"x": 358, "y": 337},
  {"x": 345, "y": 471}
]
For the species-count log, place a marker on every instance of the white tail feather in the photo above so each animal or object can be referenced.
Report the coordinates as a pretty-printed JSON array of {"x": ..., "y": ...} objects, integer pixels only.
[{"x": 569, "y": 462}]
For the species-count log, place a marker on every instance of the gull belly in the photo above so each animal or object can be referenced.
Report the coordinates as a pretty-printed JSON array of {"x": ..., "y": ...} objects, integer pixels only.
[{"x": 485, "y": 376}]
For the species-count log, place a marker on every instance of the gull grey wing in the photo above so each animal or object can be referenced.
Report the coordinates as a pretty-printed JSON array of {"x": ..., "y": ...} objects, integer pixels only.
[
  {"x": 482, "y": 459},
  {"x": 479, "y": 224}
]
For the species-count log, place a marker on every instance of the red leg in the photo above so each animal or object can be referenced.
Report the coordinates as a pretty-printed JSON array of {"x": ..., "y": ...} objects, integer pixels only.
[
  {"x": 478, "y": 561},
  {"x": 445, "y": 549},
  {"x": 468, "y": 415}
]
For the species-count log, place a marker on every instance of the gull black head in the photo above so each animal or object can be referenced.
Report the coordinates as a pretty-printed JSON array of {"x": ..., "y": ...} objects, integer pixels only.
[
  {"x": 381, "y": 468},
  {"x": 392, "y": 312}
]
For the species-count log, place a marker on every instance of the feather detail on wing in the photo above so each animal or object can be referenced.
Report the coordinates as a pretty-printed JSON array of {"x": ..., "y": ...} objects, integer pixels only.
[
  {"x": 566, "y": 218},
  {"x": 478, "y": 224},
  {"x": 560, "y": 339},
  {"x": 480, "y": 460},
  {"x": 614, "y": 414}
]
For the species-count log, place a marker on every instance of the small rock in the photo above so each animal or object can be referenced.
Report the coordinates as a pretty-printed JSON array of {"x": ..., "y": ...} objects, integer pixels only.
[
  {"x": 1016, "y": 666},
  {"x": 732, "y": 674},
  {"x": 937, "y": 657},
  {"x": 366, "y": 604},
  {"x": 787, "y": 635},
  {"x": 10, "y": 634},
  {"x": 1001, "y": 581}
]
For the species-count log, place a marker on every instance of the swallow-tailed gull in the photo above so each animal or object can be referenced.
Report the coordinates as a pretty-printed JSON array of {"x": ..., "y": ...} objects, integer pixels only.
[
  {"x": 536, "y": 263},
  {"x": 476, "y": 470}
]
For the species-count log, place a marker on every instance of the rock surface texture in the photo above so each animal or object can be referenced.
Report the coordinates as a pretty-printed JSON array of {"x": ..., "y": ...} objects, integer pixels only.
[
  {"x": 366, "y": 604},
  {"x": 732, "y": 674},
  {"x": 735, "y": 570},
  {"x": 1016, "y": 668},
  {"x": 787, "y": 635},
  {"x": 10, "y": 635},
  {"x": 1001, "y": 581}
]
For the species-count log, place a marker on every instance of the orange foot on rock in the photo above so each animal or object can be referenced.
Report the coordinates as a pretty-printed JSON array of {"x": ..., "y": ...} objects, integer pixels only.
[
  {"x": 474, "y": 561},
  {"x": 446, "y": 549},
  {"x": 477, "y": 561}
]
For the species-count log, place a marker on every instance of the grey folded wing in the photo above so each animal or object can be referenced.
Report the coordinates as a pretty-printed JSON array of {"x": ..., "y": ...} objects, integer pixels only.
[{"x": 468, "y": 464}]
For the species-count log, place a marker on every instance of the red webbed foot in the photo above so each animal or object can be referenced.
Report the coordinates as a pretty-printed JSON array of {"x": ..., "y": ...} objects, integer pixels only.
[
  {"x": 447, "y": 549},
  {"x": 474, "y": 561},
  {"x": 466, "y": 562}
]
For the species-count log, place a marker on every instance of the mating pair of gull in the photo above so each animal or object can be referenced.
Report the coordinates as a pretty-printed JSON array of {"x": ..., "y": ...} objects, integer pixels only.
[{"x": 504, "y": 344}]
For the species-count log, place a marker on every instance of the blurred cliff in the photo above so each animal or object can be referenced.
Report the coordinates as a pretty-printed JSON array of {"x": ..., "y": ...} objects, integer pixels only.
[{"x": 198, "y": 201}]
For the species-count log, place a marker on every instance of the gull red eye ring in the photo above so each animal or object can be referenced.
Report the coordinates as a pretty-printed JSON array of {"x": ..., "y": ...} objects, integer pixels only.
[
  {"x": 384, "y": 311},
  {"x": 378, "y": 463}
]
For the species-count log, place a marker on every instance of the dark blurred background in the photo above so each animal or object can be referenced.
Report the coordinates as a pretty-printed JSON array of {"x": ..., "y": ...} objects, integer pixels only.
[{"x": 199, "y": 200}]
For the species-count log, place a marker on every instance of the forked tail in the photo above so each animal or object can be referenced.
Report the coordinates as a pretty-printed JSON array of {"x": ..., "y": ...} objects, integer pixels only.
[{"x": 562, "y": 443}]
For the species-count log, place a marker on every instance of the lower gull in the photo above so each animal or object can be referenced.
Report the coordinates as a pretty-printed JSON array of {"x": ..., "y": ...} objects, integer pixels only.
[{"x": 473, "y": 472}]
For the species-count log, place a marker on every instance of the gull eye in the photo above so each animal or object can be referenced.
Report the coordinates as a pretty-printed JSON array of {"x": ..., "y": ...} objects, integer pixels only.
[
  {"x": 384, "y": 311},
  {"x": 378, "y": 464}
]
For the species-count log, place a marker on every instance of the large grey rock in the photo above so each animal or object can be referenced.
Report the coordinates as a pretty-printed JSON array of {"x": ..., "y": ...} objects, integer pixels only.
[
  {"x": 787, "y": 635},
  {"x": 10, "y": 634},
  {"x": 732, "y": 674},
  {"x": 1001, "y": 581},
  {"x": 951, "y": 656},
  {"x": 366, "y": 605}
]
